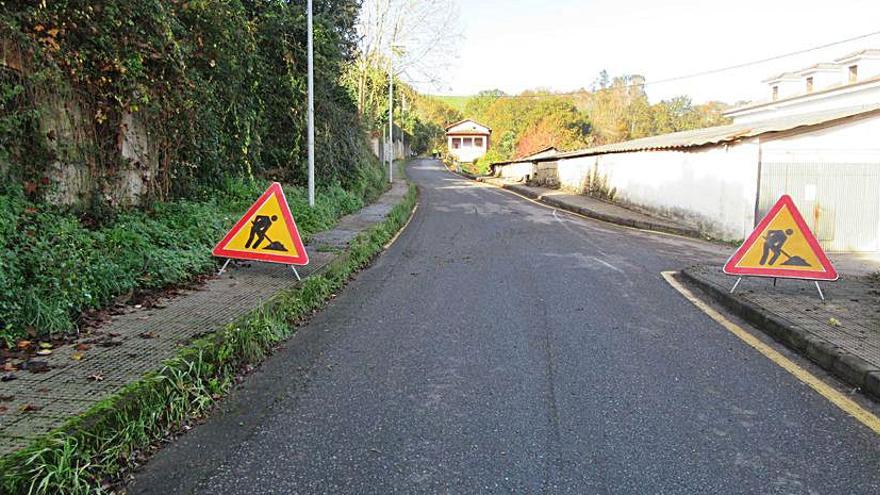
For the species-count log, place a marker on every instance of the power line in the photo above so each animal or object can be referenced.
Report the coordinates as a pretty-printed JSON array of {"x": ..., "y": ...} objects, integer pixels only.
[{"x": 696, "y": 74}]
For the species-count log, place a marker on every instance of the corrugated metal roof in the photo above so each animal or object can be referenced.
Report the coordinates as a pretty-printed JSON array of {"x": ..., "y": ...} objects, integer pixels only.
[
  {"x": 719, "y": 135},
  {"x": 544, "y": 153}
]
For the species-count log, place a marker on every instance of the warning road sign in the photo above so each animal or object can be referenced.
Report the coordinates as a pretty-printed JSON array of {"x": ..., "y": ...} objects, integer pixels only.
[
  {"x": 266, "y": 232},
  {"x": 781, "y": 246}
]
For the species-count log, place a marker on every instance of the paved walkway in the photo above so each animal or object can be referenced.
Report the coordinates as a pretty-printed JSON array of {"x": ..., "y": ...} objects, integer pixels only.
[{"x": 104, "y": 360}]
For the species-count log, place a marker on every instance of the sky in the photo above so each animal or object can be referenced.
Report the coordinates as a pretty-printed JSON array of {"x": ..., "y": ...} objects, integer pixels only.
[{"x": 562, "y": 45}]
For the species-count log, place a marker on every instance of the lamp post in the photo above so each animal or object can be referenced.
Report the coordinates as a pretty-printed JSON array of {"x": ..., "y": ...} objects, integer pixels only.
[
  {"x": 394, "y": 49},
  {"x": 311, "y": 111}
]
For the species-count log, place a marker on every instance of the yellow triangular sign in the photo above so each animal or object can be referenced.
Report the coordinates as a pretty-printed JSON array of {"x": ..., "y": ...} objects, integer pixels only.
[
  {"x": 781, "y": 246},
  {"x": 266, "y": 232}
]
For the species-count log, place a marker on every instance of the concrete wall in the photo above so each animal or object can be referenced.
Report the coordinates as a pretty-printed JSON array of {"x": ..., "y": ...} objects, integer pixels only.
[
  {"x": 520, "y": 171},
  {"x": 713, "y": 189},
  {"x": 402, "y": 148}
]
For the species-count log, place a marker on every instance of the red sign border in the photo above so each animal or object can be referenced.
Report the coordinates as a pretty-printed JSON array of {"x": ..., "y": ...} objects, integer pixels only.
[
  {"x": 300, "y": 260},
  {"x": 830, "y": 274}
]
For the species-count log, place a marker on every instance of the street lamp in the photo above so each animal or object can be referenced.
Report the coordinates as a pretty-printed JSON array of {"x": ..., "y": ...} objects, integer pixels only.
[
  {"x": 311, "y": 111},
  {"x": 394, "y": 49}
]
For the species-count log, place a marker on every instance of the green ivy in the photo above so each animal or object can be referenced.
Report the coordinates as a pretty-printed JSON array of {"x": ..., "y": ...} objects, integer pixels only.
[{"x": 220, "y": 84}]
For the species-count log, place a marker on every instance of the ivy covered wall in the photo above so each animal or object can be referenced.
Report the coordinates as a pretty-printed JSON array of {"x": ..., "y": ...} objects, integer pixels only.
[{"x": 125, "y": 102}]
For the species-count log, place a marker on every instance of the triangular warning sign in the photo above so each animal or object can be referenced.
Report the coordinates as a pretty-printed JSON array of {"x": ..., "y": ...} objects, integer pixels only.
[
  {"x": 781, "y": 246},
  {"x": 266, "y": 232}
]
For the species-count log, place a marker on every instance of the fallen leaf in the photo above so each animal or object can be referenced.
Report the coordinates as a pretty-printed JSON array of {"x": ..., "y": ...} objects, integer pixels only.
[
  {"x": 113, "y": 334},
  {"x": 45, "y": 345},
  {"x": 97, "y": 377},
  {"x": 834, "y": 322},
  {"x": 44, "y": 352},
  {"x": 148, "y": 335},
  {"x": 24, "y": 344},
  {"x": 29, "y": 408},
  {"x": 77, "y": 356},
  {"x": 3, "y": 409},
  {"x": 9, "y": 367},
  {"x": 81, "y": 347}
]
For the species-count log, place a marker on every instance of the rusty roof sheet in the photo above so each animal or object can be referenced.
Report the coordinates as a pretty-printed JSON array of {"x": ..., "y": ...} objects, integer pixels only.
[{"x": 719, "y": 135}]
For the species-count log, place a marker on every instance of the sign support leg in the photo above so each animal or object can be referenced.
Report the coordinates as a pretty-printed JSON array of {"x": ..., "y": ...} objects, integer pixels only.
[
  {"x": 224, "y": 267},
  {"x": 822, "y": 296},
  {"x": 295, "y": 272},
  {"x": 736, "y": 284}
]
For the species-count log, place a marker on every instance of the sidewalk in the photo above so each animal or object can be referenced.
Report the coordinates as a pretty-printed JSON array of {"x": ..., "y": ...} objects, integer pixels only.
[
  {"x": 74, "y": 377},
  {"x": 841, "y": 334}
]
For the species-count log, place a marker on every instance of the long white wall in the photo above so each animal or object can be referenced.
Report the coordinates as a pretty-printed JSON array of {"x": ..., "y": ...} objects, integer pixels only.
[
  {"x": 517, "y": 171},
  {"x": 713, "y": 189}
]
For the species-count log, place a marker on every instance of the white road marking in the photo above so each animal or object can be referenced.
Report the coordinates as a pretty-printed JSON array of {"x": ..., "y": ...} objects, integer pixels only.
[{"x": 609, "y": 265}]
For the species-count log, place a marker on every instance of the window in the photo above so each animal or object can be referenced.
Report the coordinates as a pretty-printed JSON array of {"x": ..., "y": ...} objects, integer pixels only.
[
  {"x": 478, "y": 142},
  {"x": 853, "y": 73},
  {"x": 809, "y": 85},
  {"x": 775, "y": 93},
  {"x": 468, "y": 142},
  {"x": 456, "y": 143}
]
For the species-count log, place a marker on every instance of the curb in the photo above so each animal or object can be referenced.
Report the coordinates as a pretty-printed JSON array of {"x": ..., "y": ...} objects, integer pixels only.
[
  {"x": 627, "y": 222},
  {"x": 95, "y": 449},
  {"x": 847, "y": 367}
]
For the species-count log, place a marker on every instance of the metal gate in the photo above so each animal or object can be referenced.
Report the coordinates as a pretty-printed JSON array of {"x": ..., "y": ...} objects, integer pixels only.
[{"x": 839, "y": 198}]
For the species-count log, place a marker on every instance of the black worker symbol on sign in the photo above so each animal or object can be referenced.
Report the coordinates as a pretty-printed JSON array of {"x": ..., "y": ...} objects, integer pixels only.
[
  {"x": 259, "y": 226},
  {"x": 773, "y": 244}
]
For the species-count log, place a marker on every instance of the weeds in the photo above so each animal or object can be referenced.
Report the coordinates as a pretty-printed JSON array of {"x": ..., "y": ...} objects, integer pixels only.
[
  {"x": 53, "y": 267},
  {"x": 102, "y": 443}
]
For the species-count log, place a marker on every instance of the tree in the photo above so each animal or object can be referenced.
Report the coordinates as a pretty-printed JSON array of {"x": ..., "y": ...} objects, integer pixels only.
[{"x": 420, "y": 35}]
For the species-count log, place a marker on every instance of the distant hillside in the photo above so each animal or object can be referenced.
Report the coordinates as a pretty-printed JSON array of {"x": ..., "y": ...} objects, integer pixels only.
[{"x": 456, "y": 102}]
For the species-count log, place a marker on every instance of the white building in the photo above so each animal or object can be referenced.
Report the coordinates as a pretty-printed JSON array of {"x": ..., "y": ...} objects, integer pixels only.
[
  {"x": 467, "y": 140},
  {"x": 850, "y": 81}
]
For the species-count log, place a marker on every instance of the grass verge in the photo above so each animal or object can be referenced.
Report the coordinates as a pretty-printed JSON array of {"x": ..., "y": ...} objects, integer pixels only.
[
  {"x": 54, "y": 265},
  {"x": 102, "y": 444}
]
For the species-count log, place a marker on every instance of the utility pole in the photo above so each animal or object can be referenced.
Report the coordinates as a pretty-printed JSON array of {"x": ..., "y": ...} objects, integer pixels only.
[
  {"x": 391, "y": 114},
  {"x": 311, "y": 112}
]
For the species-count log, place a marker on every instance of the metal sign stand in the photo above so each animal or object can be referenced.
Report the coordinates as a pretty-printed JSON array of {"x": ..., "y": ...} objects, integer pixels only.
[
  {"x": 223, "y": 269},
  {"x": 819, "y": 289},
  {"x": 736, "y": 284},
  {"x": 739, "y": 279}
]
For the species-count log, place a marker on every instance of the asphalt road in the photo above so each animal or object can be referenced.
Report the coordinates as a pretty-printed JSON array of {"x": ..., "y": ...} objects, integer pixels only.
[{"x": 502, "y": 347}]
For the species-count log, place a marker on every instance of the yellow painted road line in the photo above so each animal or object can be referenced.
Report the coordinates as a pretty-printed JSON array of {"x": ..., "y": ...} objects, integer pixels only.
[{"x": 838, "y": 399}]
